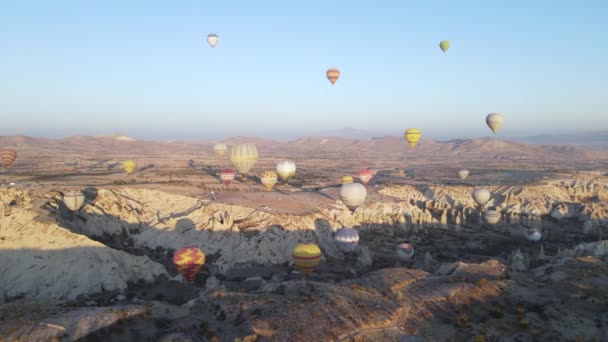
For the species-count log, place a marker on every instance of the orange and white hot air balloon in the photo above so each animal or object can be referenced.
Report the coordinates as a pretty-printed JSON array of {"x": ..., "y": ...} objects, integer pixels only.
[
  {"x": 189, "y": 261},
  {"x": 365, "y": 175},
  {"x": 7, "y": 157},
  {"x": 332, "y": 75}
]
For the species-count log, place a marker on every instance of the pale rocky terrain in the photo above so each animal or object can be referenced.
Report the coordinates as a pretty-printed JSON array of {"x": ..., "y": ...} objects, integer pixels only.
[{"x": 104, "y": 273}]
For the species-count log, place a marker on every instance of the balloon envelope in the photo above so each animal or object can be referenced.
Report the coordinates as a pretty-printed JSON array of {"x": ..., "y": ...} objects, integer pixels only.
[
  {"x": 189, "y": 261},
  {"x": 365, "y": 175},
  {"x": 353, "y": 195},
  {"x": 129, "y": 165},
  {"x": 244, "y": 157},
  {"x": 491, "y": 216},
  {"x": 286, "y": 169},
  {"x": 332, "y": 75},
  {"x": 494, "y": 121},
  {"x": 306, "y": 256},
  {"x": 346, "y": 179},
  {"x": 70, "y": 162},
  {"x": 405, "y": 251},
  {"x": 347, "y": 239},
  {"x": 481, "y": 196},
  {"x": 269, "y": 179},
  {"x": 213, "y": 39},
  {"x": 444, "y": 45},
  {"x": 412, "y": 136},
  {"x": 463, "y": 174},
  {"x": 8, "y": 156},
  {"x": 227, "y": 176},
  {"x": 220, "y": 149},
  {"x": 533, "y": 235},
  {"x": 74, "y": 200}
]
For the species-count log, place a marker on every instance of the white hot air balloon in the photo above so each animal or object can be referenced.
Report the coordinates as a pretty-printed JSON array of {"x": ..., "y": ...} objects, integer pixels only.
[
  {"x": 220, "y": 149},
  {"x": 353, "y": 195},
  {"x": 244, "y": 157},
  {"x": 481, "y": 196},
  {"x": 405, "y": 251},
  {"x": 347, "y": 239},
  {"x": 463, "y": 174},
  {"x": 74, "y": 200},
  {"x": 213, "y": 39},
  {"x": 494, "y": 121},
  {"x": 533, "y": 235},
  {"x": 491, "y": 216},
  {"x": 286, "y": 169}
]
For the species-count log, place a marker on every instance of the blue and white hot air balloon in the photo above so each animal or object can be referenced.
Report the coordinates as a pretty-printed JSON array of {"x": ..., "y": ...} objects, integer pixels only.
[{"x": 347, "y": 239}]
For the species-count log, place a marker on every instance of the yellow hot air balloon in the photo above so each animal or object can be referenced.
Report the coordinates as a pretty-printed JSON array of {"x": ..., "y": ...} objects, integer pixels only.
[
  {"x": 332, "y": 75},
  {"x": 244, "y": 157},
  {"x": 286, "y": 169},
  {"x": 444, "y": 45},
  {"x": 269, "y": 179},
  {"x": 412, "y": 136},
  {"x": 188, "y": 261},
  {"x": 346, "y": 179},
  {"x": 306, "y": 256},
  {"x": 129, "y": 166},
  {"x": 220, "y": 149}
]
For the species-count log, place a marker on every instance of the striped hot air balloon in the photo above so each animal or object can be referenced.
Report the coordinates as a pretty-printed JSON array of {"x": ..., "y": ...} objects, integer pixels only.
[
  {"x": 73, "y": 200},
  {"x": 332, "y": 75},
  {"x": 365, "y": 176},
  {"x": 491, "y": 216},
  {"x": 346, "y": 180},
  {"x": 70, "y": 162},
  {"x": 269, "y": 179},
  {"x": 227, "y": 176},
  {"x": 189, "y": 261},
  {"x": 405, "y": 251},
  {"x": 306, "y": 256},
  {"x": 244, "y": 157},
  {"x": 347, "y": 239},
  {"x": 7, "y": 157}
]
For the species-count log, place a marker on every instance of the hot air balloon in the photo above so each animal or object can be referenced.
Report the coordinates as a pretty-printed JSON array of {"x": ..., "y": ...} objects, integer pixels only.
[
  {"x": 129, "y": 166},
  {"x": 244, "y": 157},
  {"x": 347, "y": 239},
  {"x": 212, "y": 40},
  {"x": 306, "y": 256},
  {"x": 491, "y": 216},
  {"x": 7, "y": 157},
  {"x": 220, "y": 149},
  {"x": 412, "y": 136},
  {"x": 405, "y": 251},
  {"x": 353, "y": 195},
  {"x": 346, "y": 180},
  {"x": 533, "y": 235},
  {"x": 444, "y": 45},
  {"x": 332, "y": 75},
  {"x": 189, "y": 261},
  {"x": 286, "y": 169},
  {"x": 494, "y": 121},
  {"x": 365, "y": 175},
  {"x": 73, "y": 200},
  {"x": 481, "y": 196},
  {"x": 227, "y": 176},
  {"x": 70, "y": 162},
  {"x": 269, "y": 179},
  {"x": 463, "y": 174}
]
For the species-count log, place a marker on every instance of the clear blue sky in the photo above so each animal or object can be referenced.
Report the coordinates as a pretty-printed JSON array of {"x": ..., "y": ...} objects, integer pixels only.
[{"x": 143, "y": 68}]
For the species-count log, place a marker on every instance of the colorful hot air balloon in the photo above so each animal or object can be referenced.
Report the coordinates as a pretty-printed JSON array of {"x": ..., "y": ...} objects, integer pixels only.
[
  {"x": 444, "y": 45},
  {"x": 346, "y": 180},
  {"x": 481, "y": 196},
  {"x": 227, "y": 176},
  {"x": 405, "y": 251},
  {"x": 70, "y": 162},
  {"x": 213, "y": 39},
  {"x": 365, "y": 175},
  {"x": 286, "y": 169},
  {"x": 533, "y": 235},
  {"x": 494, "y": 121},
  {"x": 7, "y": 157},
  {"x": 73, "y": 200},
  {"x": 332, "y": 75},
  {"x": 353, "y": 195},
  {"x": 189, "y": 261},
  {"x": 129, "y": 166},
  {"x": 347, "y": 239},
  {"x": 269, "y": 179},
  {"x": 491, "y": 216},
  {"x": 463, "y": 174},
  {"x": 244, "y": 157},
  {"x": 306, "y": 256},
  {"x": 220, "y": 149},
  {"x": 412, "y": 136}
]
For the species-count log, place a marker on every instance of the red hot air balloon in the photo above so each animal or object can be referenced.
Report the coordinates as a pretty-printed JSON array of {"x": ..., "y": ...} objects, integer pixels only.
[
  {"x": 365, "y": 176},
  {"x": 189, "y": 261},
  {"x": 7, "y": 157},
  {"x": 227, "y": 176}
]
